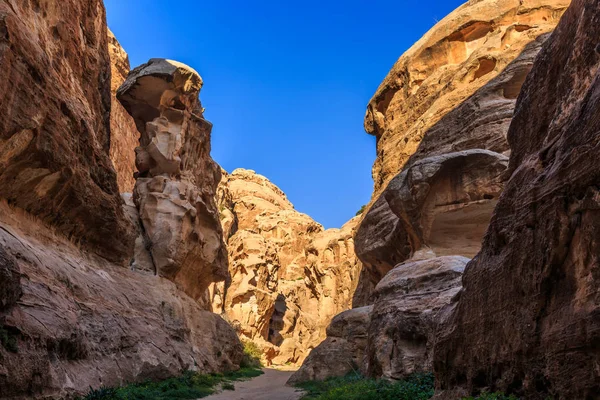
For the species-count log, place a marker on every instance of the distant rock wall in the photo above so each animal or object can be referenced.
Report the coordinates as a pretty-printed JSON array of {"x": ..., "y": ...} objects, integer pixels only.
[
  {"x": 527, "y": 321},
  {"x": 288, "y": 276}
]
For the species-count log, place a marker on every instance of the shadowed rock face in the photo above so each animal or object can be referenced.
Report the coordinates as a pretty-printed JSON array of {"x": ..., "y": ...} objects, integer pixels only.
[
  {"x": 528, "y": 318},
  {"x": 461, "y": 54},
  {"x": 440, "y": 205},
  {"x": 77, "y": 321},
  {"x": 288, "y": 276},
  {"x": 55, "y": 125},
  {"x": 176, "y": 178}
]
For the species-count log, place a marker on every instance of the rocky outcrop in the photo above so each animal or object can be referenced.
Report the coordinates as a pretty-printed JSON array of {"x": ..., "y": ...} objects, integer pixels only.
[
  {"x": 527, "y": 320},
  {"x": 176, "y": 179},
  {"x": 74, "y": 320},
  {"x": 409, "y": 305},
  {"x": 55, "y": 125},
  {"x": 342, "y": 352},
  {"x": 438, "y": 206},
  {"x": 458, "y": 58},
  {"x": 288, "y": 276},
  {"x": 123, "y": 133}
]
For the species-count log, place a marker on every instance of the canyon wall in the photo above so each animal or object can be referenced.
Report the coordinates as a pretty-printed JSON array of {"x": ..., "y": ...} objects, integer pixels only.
[
  {"x": 288, "y": 276},
  {"x": 441, "y": 118},
  {"x": 72, "y": 314},
  {"x": 527, "y": 321}
]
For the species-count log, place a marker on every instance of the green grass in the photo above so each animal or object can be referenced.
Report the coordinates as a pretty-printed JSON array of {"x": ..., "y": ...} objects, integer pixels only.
[
  {"x": 356, "y": 387},
  {"x": 190, "y": 385},
  {"x": 492, "y": 396}
]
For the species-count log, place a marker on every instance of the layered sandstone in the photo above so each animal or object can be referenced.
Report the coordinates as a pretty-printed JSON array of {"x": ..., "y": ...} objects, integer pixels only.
[
  {"x": 176, "y": 176},
  {"x": 439, "y": 206},
  {"x": 342, "y": 352},
  {"x": 74, "y": 320},
  {"x": 452, "y": 62},
  {"x": 55, "y": 126},
  {"x": 527, "y": 320},
  {"x": 123, "y": 133},
  {"x": 288, "y": 276}
]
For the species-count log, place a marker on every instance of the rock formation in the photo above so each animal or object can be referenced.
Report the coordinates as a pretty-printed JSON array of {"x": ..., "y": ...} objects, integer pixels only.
[
  {"x": 527, "y": 320},
  {"x": 55, "y": 125},
  {"x": 71, "y": 315},
  {"x": 74, "y": 320},
  {"x": 440, "y": 205},
  {"x": 288, "y": 276},
  {"x": 457, "y": 57},
  {"x": 123, "y": 133},
  {"x": 176, "y": 179},
  {"x": 409, "y": 305},
  {"x": 342, "y": 352}
]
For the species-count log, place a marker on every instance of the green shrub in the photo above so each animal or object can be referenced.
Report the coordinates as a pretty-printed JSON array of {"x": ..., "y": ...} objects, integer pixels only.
[
  {"x": 252, "y": 355},
  {"x": 356, "y": 387},
  {"x": 362, "y": 210},
  {"x": 190, "y": 385},
  {"x": 492, "y": 396}
]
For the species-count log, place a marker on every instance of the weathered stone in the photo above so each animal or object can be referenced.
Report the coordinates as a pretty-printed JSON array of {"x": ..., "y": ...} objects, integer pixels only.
[
  {"x": 342, "y": 352},
  {"x": 55, "y": 125},
  {"x": 461, "y": 54},
  {"x": 177, "y": 179},
  {"x": 406, "y": 314},
  {"x": 123, "y": 133},
  {"x": 439, "y": 205},
  {"x": 288, "y": 276},
  {"x": 527, "y": 321},
  {"x": 82, "y": 321}
]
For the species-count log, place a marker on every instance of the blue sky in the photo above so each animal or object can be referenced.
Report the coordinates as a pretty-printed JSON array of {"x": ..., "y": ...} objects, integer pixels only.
[{"x": 286, "y": 83}]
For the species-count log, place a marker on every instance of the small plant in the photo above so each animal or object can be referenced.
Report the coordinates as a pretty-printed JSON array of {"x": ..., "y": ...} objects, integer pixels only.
[
  {"x": 228, "y": 386},
  {"x": 102, "y": 393},
  {"x": 8, "y": 340},
  {"x": 361, "y": 211},
  {"x": 492, "y": 396},
  {"x": 252, "y": 355}
]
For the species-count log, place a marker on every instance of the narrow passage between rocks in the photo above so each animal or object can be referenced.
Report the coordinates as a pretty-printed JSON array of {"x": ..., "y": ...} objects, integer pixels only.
[{"x": 268, "y": 386}]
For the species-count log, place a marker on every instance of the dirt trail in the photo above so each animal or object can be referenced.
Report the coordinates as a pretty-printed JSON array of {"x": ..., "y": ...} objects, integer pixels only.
[{"x": 268, "y": 386}]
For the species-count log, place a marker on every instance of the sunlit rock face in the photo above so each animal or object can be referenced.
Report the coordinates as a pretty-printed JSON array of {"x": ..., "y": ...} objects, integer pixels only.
[
  {"x": 124, "y": 137},
  {"x": 55, "y": 124},
  {"x": 458, "y": 56},
  {"x": 176, "y": 179},
  {"x": 288, "y": 276},
  {"x": 527, "y": 321}
]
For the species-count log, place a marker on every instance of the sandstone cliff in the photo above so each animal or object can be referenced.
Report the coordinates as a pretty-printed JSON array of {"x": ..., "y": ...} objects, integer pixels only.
[
  {"x": 55, "y": 125},
  {"x": 461, "y": 54},
  {"x": 527, "y": 319},
  {"x": 71, "y": 314},
  {"x": 123, "y": 133},
  {"x": 288, "y": 276}
]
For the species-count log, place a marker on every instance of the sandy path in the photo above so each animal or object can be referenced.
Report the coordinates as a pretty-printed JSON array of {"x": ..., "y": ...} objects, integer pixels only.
[{"x": 268, "y": 386}]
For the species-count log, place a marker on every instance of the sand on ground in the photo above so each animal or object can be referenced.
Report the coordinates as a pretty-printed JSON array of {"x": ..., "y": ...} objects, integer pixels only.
[{"x": 268, "y": 386}]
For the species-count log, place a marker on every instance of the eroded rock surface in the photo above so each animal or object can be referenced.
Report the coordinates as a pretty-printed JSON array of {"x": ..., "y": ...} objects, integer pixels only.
[
  {"x": 342, "y": 352},
  {"x": 409, "y": 305},
  {"x": 75, "y": 320},
  {"x": 527, "y": 321},
  {"x": 438, "y": 206},
  {"x": 176, "y": 179},
  {"x": 55, "y": 125},
  {"x": 462, "y": 54},
  {"x": 288, "y": 276},
  {"x": 124, "y": 137}
]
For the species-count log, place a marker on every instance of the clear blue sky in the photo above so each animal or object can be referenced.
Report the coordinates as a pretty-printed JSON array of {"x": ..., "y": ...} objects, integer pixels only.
[{"x": 286, "y": 83}]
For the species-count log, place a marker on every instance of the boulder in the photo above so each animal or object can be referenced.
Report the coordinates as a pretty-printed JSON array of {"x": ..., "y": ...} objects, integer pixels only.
[{"x": 527, "y": 321}]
